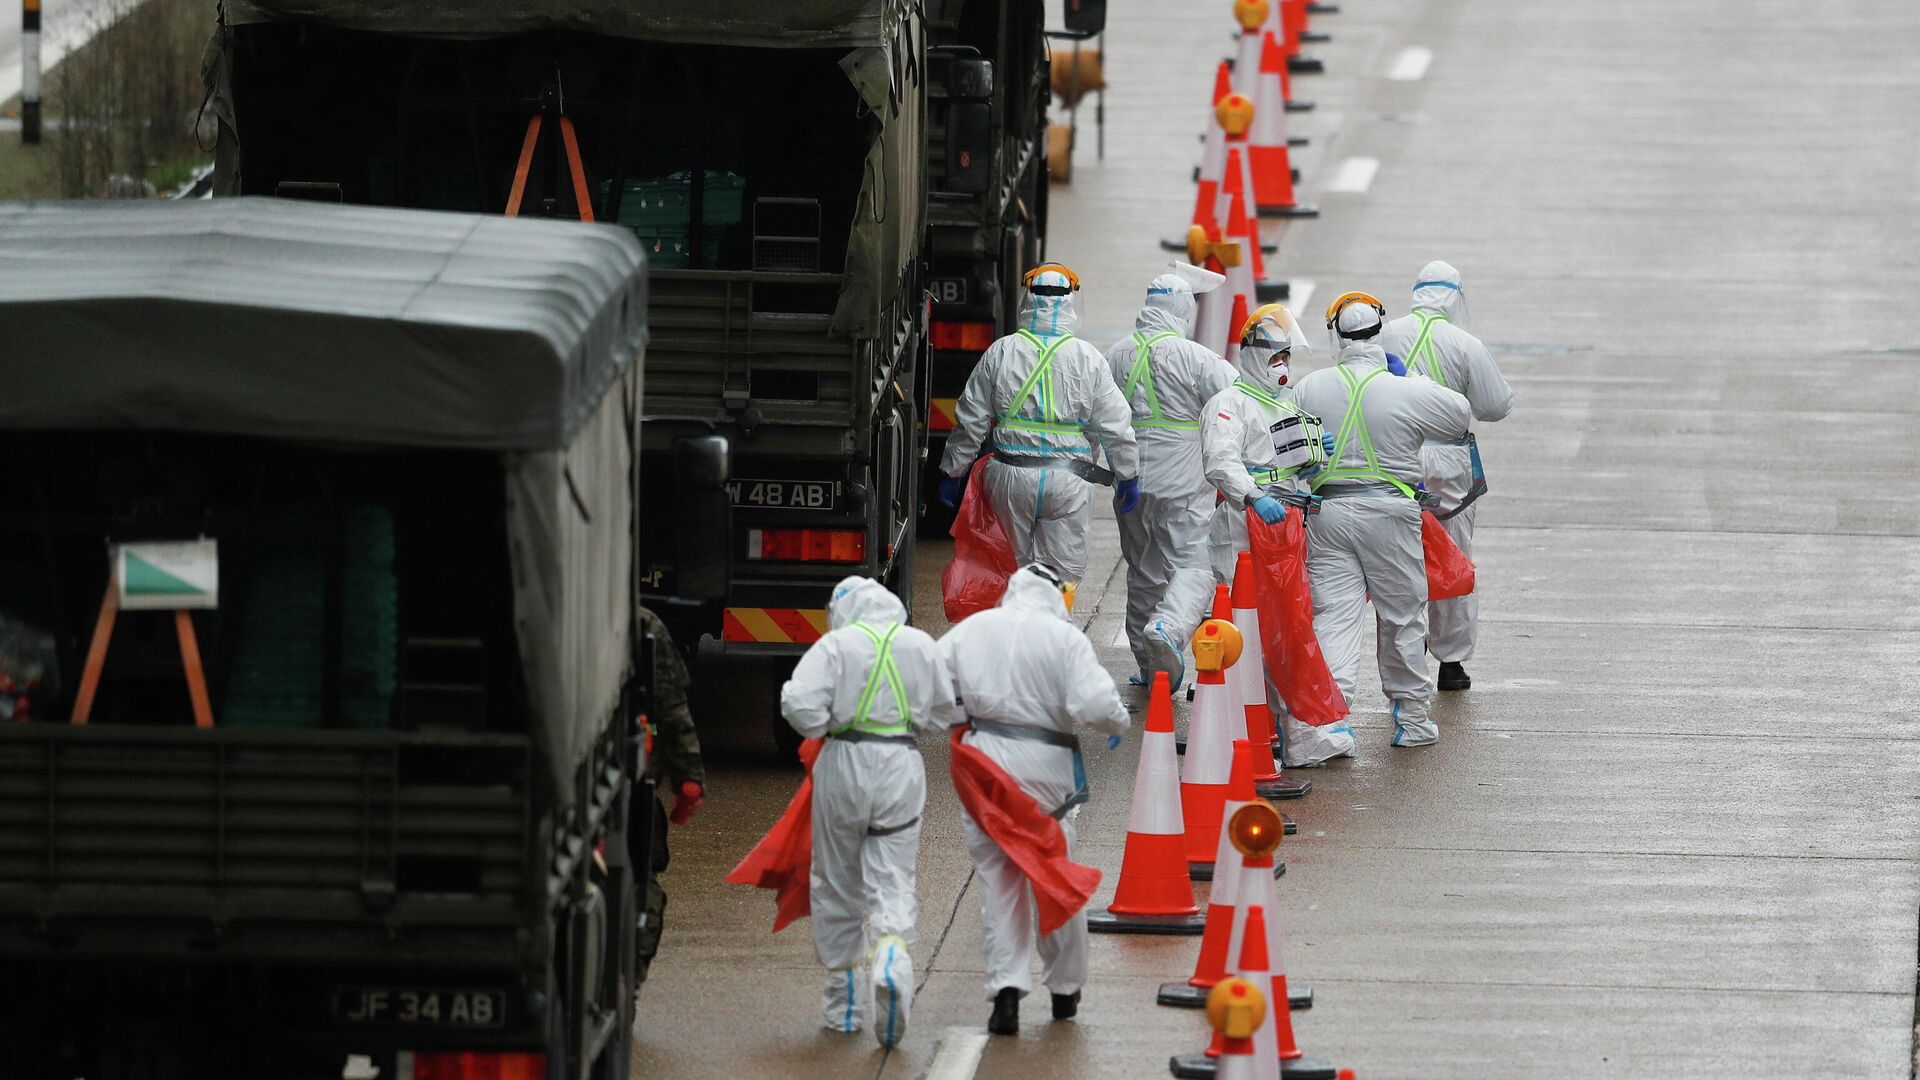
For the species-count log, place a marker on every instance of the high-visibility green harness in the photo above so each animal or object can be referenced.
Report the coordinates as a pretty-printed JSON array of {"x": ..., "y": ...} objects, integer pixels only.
[{"x": 1352, "y": 426}]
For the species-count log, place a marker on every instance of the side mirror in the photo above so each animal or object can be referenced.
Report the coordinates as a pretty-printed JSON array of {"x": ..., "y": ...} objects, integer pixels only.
[
  {"x": 703, "y": 518},
  {"x": 969, "y": 147},
  {"x": 969, "y": 79},
  {"x": 1085, "y": 18}
]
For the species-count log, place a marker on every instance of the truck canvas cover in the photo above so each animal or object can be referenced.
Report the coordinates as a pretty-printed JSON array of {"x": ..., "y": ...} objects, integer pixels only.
[{"x": 372, "y": 327}]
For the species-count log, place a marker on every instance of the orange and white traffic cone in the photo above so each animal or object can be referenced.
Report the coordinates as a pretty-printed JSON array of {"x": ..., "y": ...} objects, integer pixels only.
[
  {"x": 1268, "y": 154},
  {"x": 1249, "y": 72},
  {"x": 1213, "y": 155},
  {"x": 1154, "y": 896},
  {"x": 1209, "y": 763},
  {"x": 1237, "y": 1009},
  {"x": 1256, "y": 945},
  {"x": 1293, "y": 14},
  {"x": 1211, "y": 965},
  {"x": 1213, "y": 322},
  {"x": 1278, "y": 26},
  {"x": 1235, "y": 209},
  {"x": 1269, "y": 781}
]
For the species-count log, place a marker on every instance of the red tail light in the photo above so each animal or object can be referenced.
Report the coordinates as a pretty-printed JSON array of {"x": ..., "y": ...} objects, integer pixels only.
[
  {"x": 966, "y": 336},
  {"x": 807, "y": 545},
  {"x": 466, "y": 1065}
]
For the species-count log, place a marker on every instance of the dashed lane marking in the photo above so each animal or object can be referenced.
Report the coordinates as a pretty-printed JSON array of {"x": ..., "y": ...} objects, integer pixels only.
[
  {"x": 1354, "y": 174},
  {"x": 1411, "y": 64},
  {"x": 959, "y": 1054}
]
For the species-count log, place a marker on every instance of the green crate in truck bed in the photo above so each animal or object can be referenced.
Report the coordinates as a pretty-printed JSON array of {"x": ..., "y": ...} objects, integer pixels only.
[{"x": 669, "y": 201}]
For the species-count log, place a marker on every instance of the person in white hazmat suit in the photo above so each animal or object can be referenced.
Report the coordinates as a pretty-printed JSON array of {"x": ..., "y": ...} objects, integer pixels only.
[
  {"x": 1247, "y": 427},
  {"x": 1047, "y": 400},
  {"x": 1168, "y": 380},
  {"x": 866, "y": 686},
  {"x": 1027, "y": 677},
  {"x": 1434, "y": 342},
  {"x": 1366, "y": 538}
]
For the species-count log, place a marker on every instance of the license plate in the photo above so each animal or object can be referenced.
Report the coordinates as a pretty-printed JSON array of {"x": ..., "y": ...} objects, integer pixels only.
[
  {"x": 419, "y": 1006},
  {"x": 950, "y": 290},
  {"x": 784, "y": 494}
]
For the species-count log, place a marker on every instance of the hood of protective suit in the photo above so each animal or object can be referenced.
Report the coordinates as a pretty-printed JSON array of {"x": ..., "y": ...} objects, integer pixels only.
[
  {"x": 1028, "y": 591},
  {"x": 1439, "y": 290},
  {"x": 1361, "y": 354},
  {"x": 1169, "y": 306},
  {"x": 1049, "y": 316},
  {"x": 862, "y": 599}
]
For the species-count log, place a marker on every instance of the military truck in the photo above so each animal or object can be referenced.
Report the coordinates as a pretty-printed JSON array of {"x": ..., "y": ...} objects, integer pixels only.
[
  {"x": 318, "y": 581},
  {"x": 777, "y": 161}
]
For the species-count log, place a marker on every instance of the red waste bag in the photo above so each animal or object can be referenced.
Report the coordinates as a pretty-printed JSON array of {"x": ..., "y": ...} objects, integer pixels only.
[
  {"x": 1294, "y": 661},
  {"x": 1031, "y": 838},
  {"x": 982, "y": 554},
  {"x": 783, "y": 859},
  {"x": 1449, "y": 571}
]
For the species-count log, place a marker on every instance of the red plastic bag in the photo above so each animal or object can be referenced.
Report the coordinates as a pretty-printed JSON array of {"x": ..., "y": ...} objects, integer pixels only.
[
  {"x": 783, "y": 859},
  {"x": 1031, "y": 838},
  {"x": 1449, "y": 571},
  {"x": 982, "y": 554},
  {"x": 1294, "y": 661}
]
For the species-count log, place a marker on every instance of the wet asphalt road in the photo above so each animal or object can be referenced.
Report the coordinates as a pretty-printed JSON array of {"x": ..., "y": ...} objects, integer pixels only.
[{"x": 1674, "y": 829}]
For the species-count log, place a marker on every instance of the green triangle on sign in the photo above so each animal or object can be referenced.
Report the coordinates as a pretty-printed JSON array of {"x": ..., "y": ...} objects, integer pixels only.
[{"x": 146, "y": 579}]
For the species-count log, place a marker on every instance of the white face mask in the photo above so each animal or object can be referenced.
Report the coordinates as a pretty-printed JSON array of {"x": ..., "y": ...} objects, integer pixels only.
[{"x": 1277, "y": 365}]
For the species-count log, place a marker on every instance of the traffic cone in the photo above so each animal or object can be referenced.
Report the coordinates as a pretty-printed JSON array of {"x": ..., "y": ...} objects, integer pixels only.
[
  {"x": 1211, "y": 966},
  {"x": 1268, "y": 779},
  {"x": 1255, "y": 945},
  {"x": 1155, "y": 895},
  {"x": 1268, "y": 156},
  {"x": 1213, "y": 321},
  {"x": 1277, "y": 25},
  {"x": 1223, "y": 609},
  {"x": 1234, "y": 323},
  {"x": 1293, "y": 13},
  {"x": 1222, "y": 599},
  {"x": 1248, "y": 74},
  {"x": 1209, "y": 764},
  {"x": 1238, "y": 1010},
  {"x": 1213, "y": 156}
]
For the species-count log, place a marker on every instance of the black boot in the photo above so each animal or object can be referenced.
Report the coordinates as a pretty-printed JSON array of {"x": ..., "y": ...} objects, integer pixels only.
[
  {"x": 1066, "y": 1006},
  {"x": 1006, "y": 1013},
  {"x": 1453, "y": 676}
]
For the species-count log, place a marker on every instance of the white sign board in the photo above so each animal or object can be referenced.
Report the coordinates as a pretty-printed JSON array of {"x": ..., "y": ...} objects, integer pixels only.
[{"x": 169, "y": 575}]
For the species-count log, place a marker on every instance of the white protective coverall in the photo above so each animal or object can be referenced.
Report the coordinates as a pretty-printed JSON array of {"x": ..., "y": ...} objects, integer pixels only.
[
  {"x": 1042, "y": 393},
  {"x": 1025, "y": 665},
  {"x": 1366, "y": 537},
  {"x": 1433, "y": 341},
  {"x": 1168, "y": 381},
  {"x": 869, "y": 788},
  {"x": 1238, "y": 446}
]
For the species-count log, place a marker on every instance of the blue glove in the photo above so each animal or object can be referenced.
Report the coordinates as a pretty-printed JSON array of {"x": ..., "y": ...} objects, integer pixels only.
[
  {"x": 1126, "y": 495},
  {"x": 1113, "y": 742},
  {"x": 1271, "y": 510},
  {"x": 950, "y": 489},
  {"x": 1394, "y": 365},
  {"x": 1326, "y": 443}
]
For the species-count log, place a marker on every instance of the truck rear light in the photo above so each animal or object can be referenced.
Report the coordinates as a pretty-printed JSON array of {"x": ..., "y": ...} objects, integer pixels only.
[
  {"x": 807, "y": 545},
  {"x": 965, "y": 336},
  {"x": 467, "y": 1065}
]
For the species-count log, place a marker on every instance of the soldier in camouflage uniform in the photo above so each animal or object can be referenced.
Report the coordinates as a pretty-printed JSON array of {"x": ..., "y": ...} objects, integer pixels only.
[{"x": 675, "y": 762}]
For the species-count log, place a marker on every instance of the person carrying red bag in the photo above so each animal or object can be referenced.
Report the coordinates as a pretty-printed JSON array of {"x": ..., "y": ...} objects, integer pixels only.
[
  {"x": 1366, "y": 539},
  {"x": 1027, "y": 678},
  {"x": 865, "y": 686}
]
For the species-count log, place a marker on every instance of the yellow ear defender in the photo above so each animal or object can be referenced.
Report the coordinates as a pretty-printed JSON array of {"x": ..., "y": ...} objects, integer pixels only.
[{"x": 1345, "y": 300}]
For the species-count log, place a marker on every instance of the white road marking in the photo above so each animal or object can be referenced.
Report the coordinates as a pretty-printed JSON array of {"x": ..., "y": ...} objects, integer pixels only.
[
  {"x": 1299, "y": 295},
  {"x": 1411, "y": 64},
  {"x": 1354, "y": 174},
  {"x": 959, "y": 1054}
]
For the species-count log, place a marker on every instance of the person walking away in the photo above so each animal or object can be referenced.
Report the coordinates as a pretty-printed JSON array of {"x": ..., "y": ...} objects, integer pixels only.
[
  {"x": 675, "y": 762},
  {"x": 1366, "y": 538},
  {"x": 1167, "y": 380},
  {"x": 1435, "y": 342},
  {"x": 1028, "y": 678},
  {"x": 1046, "y": 400},
  {"x": 866, "y": 686},
  {"x": 1247, "y": 428}
]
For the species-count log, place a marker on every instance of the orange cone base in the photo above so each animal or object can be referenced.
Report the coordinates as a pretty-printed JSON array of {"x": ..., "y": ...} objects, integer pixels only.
[
  {"x": 1281, "y": 787},
  {"x": 1203, "y": 871},
  {"x": 1185, "y": 995},
  {"x": 1155, "y": 896},
  {"x": 1202, "y": 1067}
]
